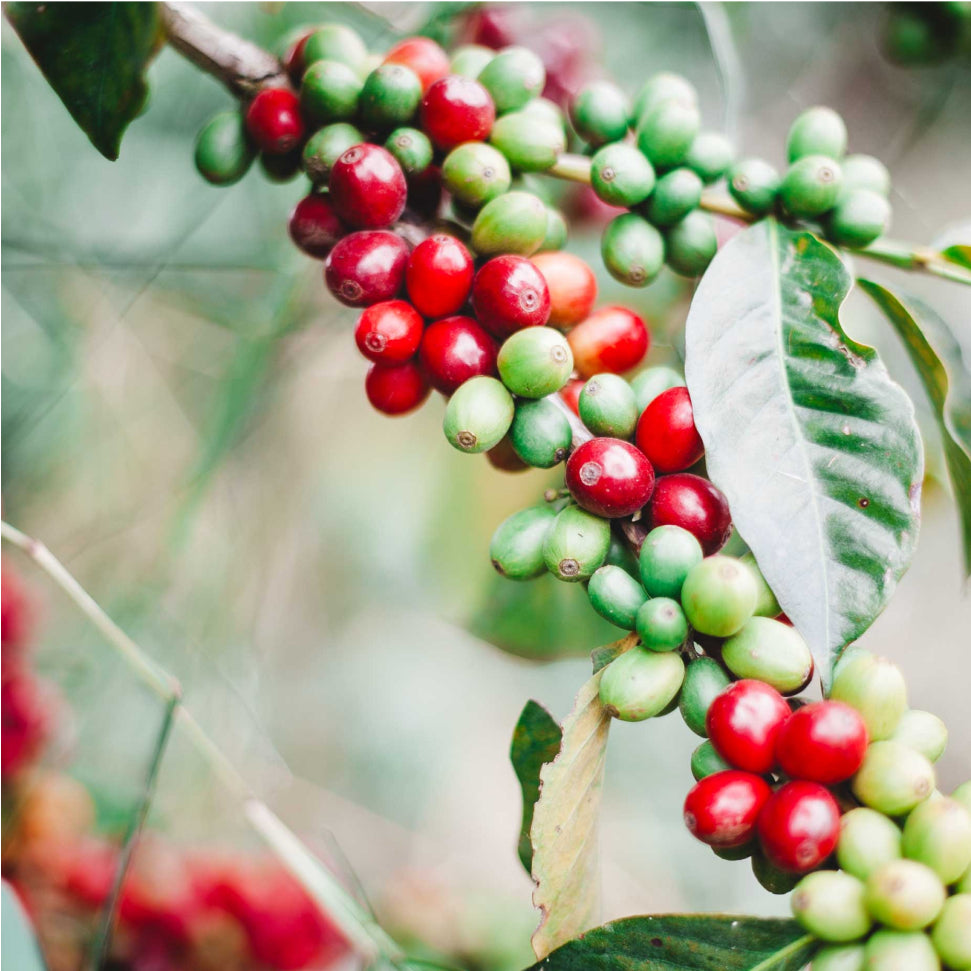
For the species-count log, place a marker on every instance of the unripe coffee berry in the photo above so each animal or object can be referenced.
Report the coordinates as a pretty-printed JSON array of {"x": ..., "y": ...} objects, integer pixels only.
[
  {"x": 557, "y": 231},
  {"x": 508, "y": 294},
  {"x": 811, "y": 186},
  {"x": 722, "y": 809},
  {"x": 389, "y": 332},
  {"x": 607, "y": 406},
  {"x": 695, "y": 504},
  {"x": 476, "y": 173},
  {"x": 455, "y": 349},
  {"x": 661, "y": 624},
  {"x": 677, "y": 192},
  {"x": 705, "y": 761},
  {"x": 329, "y": 92},
  {"x": 540, "y": 433},
  {"x": 612, "y": 339},
  {"x": 799, "y": 826},
  {"x": 621, "y": 175},
  {"x": 632, "y": 250},
  {"x": 609, "y": 477},
  {"x": 667, "y": 555},
  {"x": 535, "y": 362},
  {"x": 690, "y": 244},
  {"x": 336, "y": 42},
  {"x": 893, "y": 779},
  {"x": 456, "y": 110},
  {"x": 423, "y": 56},
  {"x": 616, "y": 596},
  {"x": 600, "y": 112},
  {"x": 661, "y": 87},
  {"x": 650, "y": 382},
  {"x": 666, "y": 432},
  {"x": 718, "y": 596},
  {"x": 938, "y": 834},
  {"x": 530, "y": 144},
  {"x": 478, "y": 415},
  {"x": 516, "y": 549},
  {"x": 390, "y": 97},
  {"x": 704, "y": 681},
  {"x": 468, "y": 60},
  {"x": 325, "y": 147},
  {"x": 817, "y": 131},
  {"x": 367, "y": 187},
  {"x": 577, "y": 545},
  {"x": 767, "y": 605},
  {"x": 314, "y": 225},
  {"x": 396, "y": 390},
  {"x": 875, "y": 687},
  {"x": 273, "y": 121},
  {"x": 411, "y": 150},
  {"x": 824, "y": 741},
  {"x": 859, "y": 217},
  {"x": 922, "y": 731},
  {"x": 952, "y": 933},
  {"x": 223, "y": 150},
  {"x": 890, "y": 950},
  {"x": 770, "y": 877},
  {"x": 366, "y": 267},
  {"x": 513, "y": 77},
  {"x": 777, "y": 654},
  {"x": 867, "y": 840},
  {"x": 572, "y": 287},
  {"x": 905, "y": 895},
  {"x": 512, "y": 223},
  {"x": 754, "y": 185},
  {"x": 439, "y": 276},
  {"x": 710, "y": 156},
  {"x": 640, "y": 684},
  {"x": 665, "y": 133},
  {"x": 865, "y": 172},
  {"x": 743, "y": 723},
  {"x": 830, "y": 905}
]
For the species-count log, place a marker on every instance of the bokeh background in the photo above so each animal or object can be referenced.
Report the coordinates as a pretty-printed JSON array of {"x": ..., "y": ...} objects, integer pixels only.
[{"x": 184, "y": 425}]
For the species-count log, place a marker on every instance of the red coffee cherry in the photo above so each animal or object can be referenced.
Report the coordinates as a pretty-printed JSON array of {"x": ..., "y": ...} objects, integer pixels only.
[
  {"x": 722, "y": 809},
  {"x": 389, "y": 332},
  {"x": 273, "y": 121},
  {"x": 609, "y": 477},
  {"x": 611, "y": 339},
  {"x": 366, "y": 268},
  {"x": 666, "y": 432},
  {"x": 426, "y": 58},
  {"x": 314, "y": 225},
  {"x": 694, "y": 504},
  {"x": 570, "y": 393},
  {"x": 439, "y": 276},
  {"x": 743, "y": 723},
  {"x": 824, "y": 741},
  {"x": 509, "y": 293},
  {"x": 572, "y": 286},
  {"x": 455, "y": 110},
  {"x": 454, "y": 350},
  {"x": 396, "y": 390},
  {"x": 367, "y": 187},
  {"x": 293, "y": 62},
  {"x": 425, "y": 192},
  {"x": 799, "y": 826}
]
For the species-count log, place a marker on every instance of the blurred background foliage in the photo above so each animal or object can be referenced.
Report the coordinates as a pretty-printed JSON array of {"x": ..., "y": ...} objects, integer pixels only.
[{"x": 184, "y": 424}]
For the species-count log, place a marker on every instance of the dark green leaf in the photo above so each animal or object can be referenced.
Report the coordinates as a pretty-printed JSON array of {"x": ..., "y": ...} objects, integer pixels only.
[
  {"x": 19, "y": 941},
  {"x": 814, "y": 445},
  {"x": 686, "y": 942},
  {"x": 937, "y": 357},
  {"x": 94, "y": 55},
  {"x": 535, "y": 741},
  {"x": 960, "y": 253}
]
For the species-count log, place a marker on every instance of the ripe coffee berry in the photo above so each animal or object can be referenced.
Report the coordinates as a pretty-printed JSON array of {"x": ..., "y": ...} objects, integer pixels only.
[
  {"x": 609, "y": 477},
  {"x": 572, "y": 286},
  {"x": 314, "y": 225},
  {"x": 423, "y": 56},
  {"x": 273, "y": 121},
  {"x": 389, "y": 332},
  {"x": 694, "y": 504},
  {"x": 722, "y": 809},
  {"x": 744, "y": 722},
  {"x": 366, "y": 268},
  {"x": 367, "y": 187},
  {"x": 454, "y": 350},
  {"x": 822, "y": 742},
  {"x": 666, "y": 432},
  {"x": 456, "y": 110},
  {"x": 611, "y": 339},
  {"x": 509, "y": 293},
  {"x": 396, "y": 390},
  {"x": 799, "y": 826},
  {"x": 439, "y": 276}
]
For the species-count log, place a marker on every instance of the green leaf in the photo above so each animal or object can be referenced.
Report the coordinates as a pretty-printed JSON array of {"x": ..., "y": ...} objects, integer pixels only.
[
  {"x": 960, "y": 253},
  {"x": 94, "y": 56},
  {"x": 937, "y": 356},
  {"x": 535, "y": 741},
  {"x": 602, "y": 656},
  {"x": 686, "y": 942},
  {"x": 814, "y": 445},
  {"x": 20, "y": 947}
]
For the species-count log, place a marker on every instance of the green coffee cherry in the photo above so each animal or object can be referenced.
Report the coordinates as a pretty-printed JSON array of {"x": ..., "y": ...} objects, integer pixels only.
[
  {"x": 335, "y": 42},
  {"x": 889, "y": 950},
  {"x": 608, "y": 407},
  {"x": 411, "y": 148},
  {"x": 556, "y": 231},
  {"x": 665, "y": 133},
  {"x": 675, "y": 195},
  {"x": 771, "y": 877},
  {"x": 621, "y": 555},
  {"x": 710, "y": 156},
  {"x": 830, "y": 905},
  {"x": 390, "y": 97},
  {"x": 329, "y": 92},
  {"x": 719, "y": 596},
  {"x": 811, "y": 186},
  {"x": 905, "y": 895},
  {"x": 600, "y": 113},
  {"x": 691, "y": 244},
  {"x": 616, "y": 596},
  {"x": 964, "y": 883},
  {"x": 469, "y": 60},
  {"x": 865, "y": 172},
  {"x": 661, "y": 624},
  {"x": 540, "y": 433},
  {"x": 859, "y": 217},
  {"x": 512, "y": 77},
  {"x": 851, "y": 653},
  {"x": 817, "y": 131},
  {"x": 705, "y": 760},
  {"x": 632, "y": 250},
  {"x": 535, "y": 185},
  {"x": 223, "y": 152},
  {"x": 325, "y": 147},
  {"x": 511, "y": 223},
  {"x": 640, "y": 684},
  {"x": 766, "y": 605},
  {"x": 621, "y": 176},
  {"x": 665, "y": 86},
  {"x": 577, "y": 545},
  {"x": 839, "y": 957},
  {"x": 650, "y": 382},
  {"x": 704, "y": 681},
  {"x": 951, "y": 936},
  {"x": 668, "y": 554},
  {"x": 735, "y": 853},
  {"x": 529, "y": 144},
  {"x": 875, "y": 687},
  {"x": 893, "y": 778},
  {"x": 963, "y": 795},
  {"x": 754, "y": 185},
  {"x": 478, "y": 415},
  {"x": 542, "y": 109},
  {"x": 476, "y": 173},
  {"x": 535, "y": 362},
  {"x": 923, "y": 732},
  {"x": 867, "y": 840},
  {"x": 770, "y": 651},
  {"x": 938, "y": 834},
  {"x": 516, "y": 549}
]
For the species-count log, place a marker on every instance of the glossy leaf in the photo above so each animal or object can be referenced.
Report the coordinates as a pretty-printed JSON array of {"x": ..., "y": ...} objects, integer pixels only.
[
  {"x": 814, "y": 445},
  {"x": 20, "y": 947},
  {"x": 937, "y": 356},
  {"x": 94, "y": 56},
  {"x": 686, "y": 942},
  {"x": 535, "y": 741},
  {"x": 960, "y": 253},
  {"x": 564, "y": 830}
]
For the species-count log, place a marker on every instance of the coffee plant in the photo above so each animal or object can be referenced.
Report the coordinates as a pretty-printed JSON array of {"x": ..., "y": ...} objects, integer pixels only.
[{"x": 427, "y": 212}]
